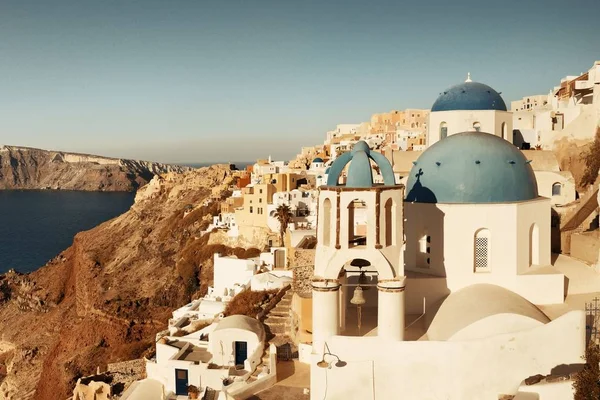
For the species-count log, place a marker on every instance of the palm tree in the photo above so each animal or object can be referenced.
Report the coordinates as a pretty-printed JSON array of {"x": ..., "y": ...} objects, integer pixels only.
[{"x": 284, "y": 215}]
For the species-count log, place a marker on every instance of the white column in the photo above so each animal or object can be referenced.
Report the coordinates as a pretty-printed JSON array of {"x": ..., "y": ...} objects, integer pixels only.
[
  {"x": 326, "y": 312},
  {"x": 343, "y": 299},
  {"x": 390, "y": 312}
]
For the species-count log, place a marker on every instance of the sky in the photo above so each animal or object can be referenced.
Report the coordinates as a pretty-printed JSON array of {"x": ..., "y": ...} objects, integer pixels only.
[{"x": 206, "y": 81}]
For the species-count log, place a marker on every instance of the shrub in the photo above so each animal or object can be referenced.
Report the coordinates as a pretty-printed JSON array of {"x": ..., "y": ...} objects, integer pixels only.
[
  {"x": 248, "y": 303},
  {"x": 592, "y": 162},
  {"x": 252, "y": 252},
  {"x": 587, "y": 381}
]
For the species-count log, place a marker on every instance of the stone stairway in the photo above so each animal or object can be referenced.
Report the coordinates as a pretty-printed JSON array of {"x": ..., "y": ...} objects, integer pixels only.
[{"x": 277, "y": 327}]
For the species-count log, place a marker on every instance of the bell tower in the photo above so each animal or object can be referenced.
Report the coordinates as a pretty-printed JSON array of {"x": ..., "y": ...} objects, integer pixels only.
[{"x": 359, "y": 220}]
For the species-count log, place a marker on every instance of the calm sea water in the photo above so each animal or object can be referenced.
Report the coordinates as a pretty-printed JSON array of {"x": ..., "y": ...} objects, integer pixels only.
[{"x": 35, "y": 226}]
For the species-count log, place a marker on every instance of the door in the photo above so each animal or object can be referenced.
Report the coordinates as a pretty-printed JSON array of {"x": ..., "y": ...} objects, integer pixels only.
[
  {"x": 279, "y": 258},
  {"x": 181, "y": 382},
  {"x": 241, "y": 352}
]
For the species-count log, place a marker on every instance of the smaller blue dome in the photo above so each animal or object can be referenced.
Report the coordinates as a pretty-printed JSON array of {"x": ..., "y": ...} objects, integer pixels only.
[
  {"x": 469, "y": 96},
  {"x": 317, "y": 160},
  {"x": 360, "y": 173}
]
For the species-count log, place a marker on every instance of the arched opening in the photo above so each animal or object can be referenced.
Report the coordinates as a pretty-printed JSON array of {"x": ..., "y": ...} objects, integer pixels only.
[
  {"x": 412, "y": 125},
  {"x": 534, "y": 245},
  {"x": 556, "y": 189},
  {"x": 390, "y": 222},
  {"x": 357, "y": 223},
  {"x": 481, "y": 254},
  {"x": 443, "y": 130},
  {"x": 504, "y": 131},
  {"x": 424, "y": 260},
  {"x": 358, "y": 319},
  {"x": 327, "y": 222},
  {"x": 477, "y": 126}
]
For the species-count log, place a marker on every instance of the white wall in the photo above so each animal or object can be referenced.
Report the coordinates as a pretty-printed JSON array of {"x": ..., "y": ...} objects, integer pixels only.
[
  {"x": 452, "y": 229},
  {"x": 222, "y": 346},
  {"x": 422, "y": 370},
  {"x": 462, "y": 121},
  {"x": 545, "y": 181},
  {"x": 229, "y": 272}
]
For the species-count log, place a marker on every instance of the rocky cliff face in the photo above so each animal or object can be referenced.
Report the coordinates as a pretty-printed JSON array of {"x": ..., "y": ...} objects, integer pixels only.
[
  {"x": 28, "y": 168},
  {"x": 104, "y": 299}
]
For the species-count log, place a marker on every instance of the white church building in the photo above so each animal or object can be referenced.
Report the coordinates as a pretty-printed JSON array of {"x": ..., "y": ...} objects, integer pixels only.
[
  {"x": 464, "y": 250},
  {"x": 469, "y": 106}
]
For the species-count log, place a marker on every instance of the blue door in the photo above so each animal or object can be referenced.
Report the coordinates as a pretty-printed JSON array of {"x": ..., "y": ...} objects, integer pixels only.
[
  {"x": 241, "y": 352},
  {"x": 181, "y": 382}
]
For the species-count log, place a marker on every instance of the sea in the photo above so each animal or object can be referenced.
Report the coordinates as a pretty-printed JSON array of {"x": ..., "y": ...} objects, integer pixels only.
[{"x": 36, "y": 225}]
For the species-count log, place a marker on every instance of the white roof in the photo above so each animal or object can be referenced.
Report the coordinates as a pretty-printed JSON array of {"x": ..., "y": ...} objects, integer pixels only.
[
  {"x": 241, "y": 322},
  {"x": 476, "y": 302}
]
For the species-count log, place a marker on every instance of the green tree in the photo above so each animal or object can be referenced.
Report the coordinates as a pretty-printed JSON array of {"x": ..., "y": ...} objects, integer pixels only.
[{"x": 284, "y": 215}]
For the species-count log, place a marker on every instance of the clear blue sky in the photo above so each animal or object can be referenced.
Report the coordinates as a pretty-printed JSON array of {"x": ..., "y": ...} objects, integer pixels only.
[{"x": 203, "y": 81}]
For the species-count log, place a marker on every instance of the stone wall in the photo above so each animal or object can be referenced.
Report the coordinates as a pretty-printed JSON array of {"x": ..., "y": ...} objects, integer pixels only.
[
  {"x": 585, "y": 246},
  {"x": 131, "y": 367},
  {"x": 302, "y": 262}
]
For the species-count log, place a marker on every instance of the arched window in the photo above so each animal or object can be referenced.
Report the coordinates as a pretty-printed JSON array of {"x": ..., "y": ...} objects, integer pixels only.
[
  {"x": 390, "y": 222},
  {"x": 534, "y": 245},
  {"x": 357, "y": 223},
  {"x": 327, "y": 222},
  {"x": 482, "y": 244},
  {"x": 556, "y": 189},
  {"x": 477, "y": 126},
  {"x": 443, "y": 130},
  {"x": 504, "y": 131}
]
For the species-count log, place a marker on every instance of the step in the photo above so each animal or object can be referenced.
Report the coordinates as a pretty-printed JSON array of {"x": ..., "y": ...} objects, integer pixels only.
[
  {"x": 278, "y": 328},
  {"x": 279, "y": 313},
  {"x": 274, "y": 319}
]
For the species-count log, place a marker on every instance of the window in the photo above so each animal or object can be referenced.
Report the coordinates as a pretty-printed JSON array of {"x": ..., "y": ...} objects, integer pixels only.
[
  {"x": 260, "y": 200},
  {"x": 443, "y": 130},
  {"x": 556, "y": 189},
  {"x": 482, "y": 251},
  {"x": 250, "y": 209},
  {"x": 425, "y": 251},
  {"x": 260, "y": 191},
  {"x": 326, "y": 222},
  {"x": 477, "y": 126},
  {"x": 504, "y": 131},
  {"x": 534, "y": 245}
]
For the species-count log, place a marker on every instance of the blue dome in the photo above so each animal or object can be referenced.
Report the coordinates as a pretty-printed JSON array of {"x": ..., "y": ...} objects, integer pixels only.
[
  {"x": 471, "y": 167},
  {"x": 317, "y": 160},
  {"x": 360, "y": 173},
  {"x": 469, "y": 96}
]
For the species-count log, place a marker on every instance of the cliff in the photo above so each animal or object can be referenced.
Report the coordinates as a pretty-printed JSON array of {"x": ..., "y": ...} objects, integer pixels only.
[
  {"x": 28, "y": 168},
  {"x": 104, "y": 299}
]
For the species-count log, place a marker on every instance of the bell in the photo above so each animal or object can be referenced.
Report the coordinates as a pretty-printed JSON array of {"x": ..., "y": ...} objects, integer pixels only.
[{"x": 358, "y": 297}]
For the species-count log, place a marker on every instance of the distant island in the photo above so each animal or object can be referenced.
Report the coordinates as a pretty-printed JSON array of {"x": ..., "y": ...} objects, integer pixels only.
[{"x": 35, "y": 169}]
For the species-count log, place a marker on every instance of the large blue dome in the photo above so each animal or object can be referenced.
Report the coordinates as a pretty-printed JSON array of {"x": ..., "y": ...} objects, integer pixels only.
[
  {"x": 469, "y": 96},
  {"x": 471, "y": 167}
]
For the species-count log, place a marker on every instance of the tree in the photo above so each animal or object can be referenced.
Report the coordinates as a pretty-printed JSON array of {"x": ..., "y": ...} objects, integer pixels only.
[
  {"x": 592, "y": 162},
  {"x": 284, "y": 215},
  {"x": 587, "y": 381}
]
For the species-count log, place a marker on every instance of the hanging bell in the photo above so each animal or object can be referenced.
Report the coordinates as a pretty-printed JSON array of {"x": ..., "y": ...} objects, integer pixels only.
[{"x": 358, "y": 298}]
